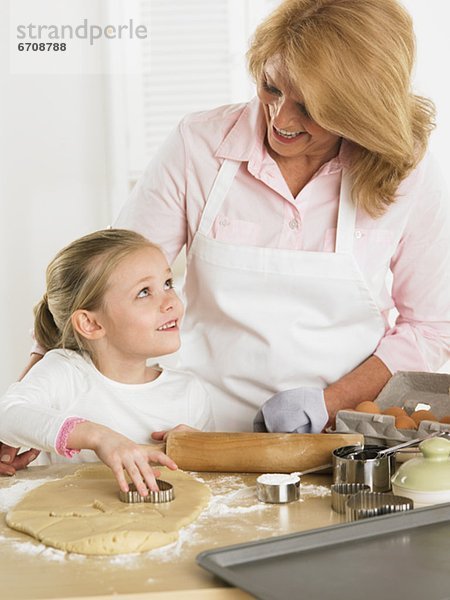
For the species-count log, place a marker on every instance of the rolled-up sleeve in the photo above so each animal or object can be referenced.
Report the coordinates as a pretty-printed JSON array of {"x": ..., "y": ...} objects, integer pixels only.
[{"x": 420, "y": 338}]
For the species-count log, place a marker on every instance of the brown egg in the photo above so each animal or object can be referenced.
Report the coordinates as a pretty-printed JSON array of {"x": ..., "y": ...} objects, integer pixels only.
[
  {"x": 395, "y": 411},
  {"x": 423, "y": 415},
  {"x": 445, "y": 419},
  {"x": 405, "y": 422},
  {"x": 368, "y": 407}
]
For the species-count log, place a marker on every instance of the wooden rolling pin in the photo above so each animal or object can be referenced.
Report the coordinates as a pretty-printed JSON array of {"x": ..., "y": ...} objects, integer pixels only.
[{"x": 254, "y": 452}]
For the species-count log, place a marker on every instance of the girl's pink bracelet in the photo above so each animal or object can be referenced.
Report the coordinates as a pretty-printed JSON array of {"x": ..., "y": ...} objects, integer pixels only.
[{"x": 63, "y": 434}]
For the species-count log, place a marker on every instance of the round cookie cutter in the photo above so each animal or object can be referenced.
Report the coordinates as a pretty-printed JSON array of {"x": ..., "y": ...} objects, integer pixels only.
[{"x": 165, "y": 494}]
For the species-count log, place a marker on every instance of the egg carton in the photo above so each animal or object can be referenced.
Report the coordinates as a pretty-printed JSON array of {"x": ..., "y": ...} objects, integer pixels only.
[{"x": 407, "y": 390}]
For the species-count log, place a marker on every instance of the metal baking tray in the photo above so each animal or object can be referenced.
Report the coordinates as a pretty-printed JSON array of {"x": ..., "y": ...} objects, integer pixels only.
[{"x": 401, "y": 555}]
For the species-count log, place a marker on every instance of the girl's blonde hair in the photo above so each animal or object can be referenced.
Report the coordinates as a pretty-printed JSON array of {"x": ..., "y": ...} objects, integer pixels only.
[
  {"x": 77, "y": 278},
  {"x": 352, "y": 61}
]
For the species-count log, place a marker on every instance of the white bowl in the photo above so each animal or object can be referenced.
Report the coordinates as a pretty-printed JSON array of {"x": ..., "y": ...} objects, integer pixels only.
[{"x": 421, "y": 499}]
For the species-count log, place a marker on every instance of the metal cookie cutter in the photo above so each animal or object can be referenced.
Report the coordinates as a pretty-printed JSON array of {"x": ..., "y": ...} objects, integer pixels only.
[
  {"x": 341, "y": 492},
  {"x": 371, "y": 504},
  {"x": 165, "y": 494}
]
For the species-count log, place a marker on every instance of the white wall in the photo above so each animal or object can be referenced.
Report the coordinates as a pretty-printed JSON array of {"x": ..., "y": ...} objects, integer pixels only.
[
  {"x": 53, "y": 185},
  {"x": 432, "y": 77}
]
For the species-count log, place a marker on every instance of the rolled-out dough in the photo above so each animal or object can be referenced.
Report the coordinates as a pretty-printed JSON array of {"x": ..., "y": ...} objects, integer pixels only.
[{"x": 82, "y": 513}]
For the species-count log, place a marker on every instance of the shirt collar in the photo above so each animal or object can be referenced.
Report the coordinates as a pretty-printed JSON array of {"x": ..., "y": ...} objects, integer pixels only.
[{"x": 245, "y": 140}]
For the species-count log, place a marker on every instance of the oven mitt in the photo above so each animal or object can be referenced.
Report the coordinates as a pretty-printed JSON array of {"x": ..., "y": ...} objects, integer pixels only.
[{"x": 302, "y": 410}]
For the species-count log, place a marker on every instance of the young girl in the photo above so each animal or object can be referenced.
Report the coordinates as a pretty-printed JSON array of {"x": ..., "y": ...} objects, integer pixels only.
[{"x": 109, "y": 306}]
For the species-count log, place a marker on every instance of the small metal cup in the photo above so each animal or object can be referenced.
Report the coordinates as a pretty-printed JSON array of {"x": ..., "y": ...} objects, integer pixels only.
[
  {"x": 279, "y": 493},
  {"x": 353, "y": 464}
]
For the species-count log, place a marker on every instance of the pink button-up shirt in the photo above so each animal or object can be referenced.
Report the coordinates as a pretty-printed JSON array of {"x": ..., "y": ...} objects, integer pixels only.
[{"x": 412, "y": 239}]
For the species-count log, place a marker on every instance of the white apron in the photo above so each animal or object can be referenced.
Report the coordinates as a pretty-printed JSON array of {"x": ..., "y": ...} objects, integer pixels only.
[{"x": 262, "y": 320}]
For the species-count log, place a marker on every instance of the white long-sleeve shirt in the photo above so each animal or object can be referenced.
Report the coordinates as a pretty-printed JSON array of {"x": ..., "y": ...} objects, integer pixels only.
[{"x": 65, "y": 384}]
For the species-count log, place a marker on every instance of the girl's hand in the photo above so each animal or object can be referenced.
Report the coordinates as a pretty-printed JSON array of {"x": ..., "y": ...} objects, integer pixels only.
[
  {"x": 161, "y": 436},
  {"x": 119, "y": 453}
]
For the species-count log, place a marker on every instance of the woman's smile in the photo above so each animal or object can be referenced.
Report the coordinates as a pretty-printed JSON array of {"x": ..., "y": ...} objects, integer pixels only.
[{"x": 287, "y": 137}]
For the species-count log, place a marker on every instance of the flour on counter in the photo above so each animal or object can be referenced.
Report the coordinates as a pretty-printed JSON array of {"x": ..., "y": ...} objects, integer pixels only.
[
  {"x": 318, "y": 491},
  {"x": 222, "y": 483},
  {"x": 11, "y": 495},
  {"x": 186, "y": 536},
  {"x": 239, "y": 501},
  {"x": 121, "y": 560},
  {"x": 223, "y": 504},
  {"x": 36, "y": 549}
]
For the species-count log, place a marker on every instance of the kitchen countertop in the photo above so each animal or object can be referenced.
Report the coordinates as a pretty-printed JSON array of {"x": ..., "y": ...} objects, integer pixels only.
[{"x": 30, "y": 570}]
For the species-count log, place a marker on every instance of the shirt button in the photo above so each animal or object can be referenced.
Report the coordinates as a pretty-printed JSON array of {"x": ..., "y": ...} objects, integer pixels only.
[
  {"x": 293, "y": 224},
  {"x": 224, "y": 222},
  {"x": 358, "y": 234}
]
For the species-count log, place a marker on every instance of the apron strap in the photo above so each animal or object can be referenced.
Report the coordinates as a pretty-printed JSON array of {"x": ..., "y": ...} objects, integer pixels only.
[
  {"x": 219, "y": 190},
  {"x": 346, "y": 217}
]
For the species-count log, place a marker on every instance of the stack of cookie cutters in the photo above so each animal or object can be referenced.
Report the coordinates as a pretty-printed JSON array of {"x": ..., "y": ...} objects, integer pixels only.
[
  {"x": 165, "y": 494},
  {"x": 357, "y": 501}
]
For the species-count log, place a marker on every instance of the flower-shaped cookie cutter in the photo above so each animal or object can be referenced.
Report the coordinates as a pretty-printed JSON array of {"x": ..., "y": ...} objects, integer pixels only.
[{"x": 165, "y": 494}]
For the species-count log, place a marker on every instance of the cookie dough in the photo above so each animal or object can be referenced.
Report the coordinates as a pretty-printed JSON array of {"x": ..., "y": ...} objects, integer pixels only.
[{"x": 82, "y": 513}]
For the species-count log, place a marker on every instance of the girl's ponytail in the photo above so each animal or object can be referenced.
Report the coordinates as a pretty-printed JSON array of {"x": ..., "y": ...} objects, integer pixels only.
[{"x": 46, "y": 331}]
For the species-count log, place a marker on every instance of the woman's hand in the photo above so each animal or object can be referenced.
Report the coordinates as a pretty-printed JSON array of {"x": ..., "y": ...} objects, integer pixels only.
[
  {"x": 363, "y": 383},
  {"x": 11, "y": 461},
  {"x": 34, "y": 358},
  {"x": 301, "y": 410},
  {"x": 161, "y": 436},
  {"x": 119, "y": 453}
]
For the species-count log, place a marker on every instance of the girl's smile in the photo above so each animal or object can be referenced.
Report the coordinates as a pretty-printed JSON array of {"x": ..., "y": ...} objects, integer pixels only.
[{"x": 169, "y": 326}]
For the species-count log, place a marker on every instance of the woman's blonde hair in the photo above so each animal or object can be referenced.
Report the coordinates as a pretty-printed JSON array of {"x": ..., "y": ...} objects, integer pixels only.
[
  {"x": 77, "y": 278},
  {"x": 352, "y": 61}
]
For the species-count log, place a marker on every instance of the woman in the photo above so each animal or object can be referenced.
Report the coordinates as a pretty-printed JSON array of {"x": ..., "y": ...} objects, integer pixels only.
[{"x": 293, "y": 209}]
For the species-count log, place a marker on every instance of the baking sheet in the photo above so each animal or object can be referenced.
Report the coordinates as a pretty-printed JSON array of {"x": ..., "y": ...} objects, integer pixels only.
[{"x": 404, "y": 555}]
